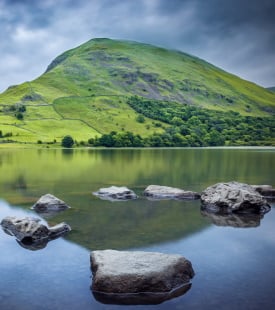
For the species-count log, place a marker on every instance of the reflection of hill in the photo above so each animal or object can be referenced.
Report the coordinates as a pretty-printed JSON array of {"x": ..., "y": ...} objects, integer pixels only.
[
  {"x": 121, "y": 225},
  {"x": 28, "y": 174},
  {"x": 72, "y": 177}
]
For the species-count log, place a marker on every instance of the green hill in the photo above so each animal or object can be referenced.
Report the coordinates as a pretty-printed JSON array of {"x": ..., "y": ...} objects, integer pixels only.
[{"x": 114, "y": 86}]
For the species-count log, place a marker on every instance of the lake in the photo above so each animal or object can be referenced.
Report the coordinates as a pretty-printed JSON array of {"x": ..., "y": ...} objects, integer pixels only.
[{"x": 234, "y": 266}]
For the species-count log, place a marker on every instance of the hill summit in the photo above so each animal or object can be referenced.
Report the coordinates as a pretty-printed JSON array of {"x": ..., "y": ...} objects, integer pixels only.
[{"x": 106, "y": 86}]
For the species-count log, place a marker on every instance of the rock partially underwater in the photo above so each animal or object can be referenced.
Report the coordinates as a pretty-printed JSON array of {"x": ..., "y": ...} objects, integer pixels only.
[
  {"x": 30, "y": 233},
  {"x": 115, "y": 193},
  {"x": 49, "y": 203},
  {"x": 157, "y": 192},
  {"x": 233, "y": 197},
  {"x": 137, "y": 277},
  {"x": 265, "y": 190}
]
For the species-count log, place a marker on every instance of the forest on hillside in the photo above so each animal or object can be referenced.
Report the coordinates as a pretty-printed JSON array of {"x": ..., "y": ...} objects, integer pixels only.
[{"x": 191, "y": 126}]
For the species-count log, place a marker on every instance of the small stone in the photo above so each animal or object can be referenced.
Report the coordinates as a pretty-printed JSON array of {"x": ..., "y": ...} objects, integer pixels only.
[
  {"x": 166, "y": 192},
  {"x": 49, "y": 202},
  {"x": 115, "y": 193}
]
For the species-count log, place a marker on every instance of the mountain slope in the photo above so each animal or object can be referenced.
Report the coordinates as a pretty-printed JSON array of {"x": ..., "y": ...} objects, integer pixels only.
[{"x": 84, "y": 92}]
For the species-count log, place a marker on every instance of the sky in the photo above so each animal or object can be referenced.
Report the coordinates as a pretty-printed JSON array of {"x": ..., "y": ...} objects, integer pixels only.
[{"x": 237, "y": 35}]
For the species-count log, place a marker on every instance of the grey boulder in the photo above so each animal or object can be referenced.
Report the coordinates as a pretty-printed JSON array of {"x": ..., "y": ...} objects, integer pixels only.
[
  {"x": 49, "y": 203},
  {"x": 138, "y": 272},
  {"x": 166, "y": 192},
  {"x": 233, "y": 197},
  {"x": 30, "y": 231},
  {"x": 115, "y": 193}
]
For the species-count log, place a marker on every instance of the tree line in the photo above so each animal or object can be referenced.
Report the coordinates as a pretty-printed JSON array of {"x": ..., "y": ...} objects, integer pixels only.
[
  {"x": 190, "y": 126},
  {"x": 194, "y": 126}
]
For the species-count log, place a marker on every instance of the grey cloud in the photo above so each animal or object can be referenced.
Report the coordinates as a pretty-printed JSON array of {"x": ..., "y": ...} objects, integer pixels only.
[
  {"x": 237, "y": 35},
  {"x": 234, "y": 13}
]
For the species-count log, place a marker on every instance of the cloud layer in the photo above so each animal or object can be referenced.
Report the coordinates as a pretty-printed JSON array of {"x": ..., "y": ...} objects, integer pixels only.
[{"x": 236, "y": 35}]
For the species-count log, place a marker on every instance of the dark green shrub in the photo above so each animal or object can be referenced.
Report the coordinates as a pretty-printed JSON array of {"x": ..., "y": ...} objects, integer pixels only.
[{"x": 67, "y": 142}]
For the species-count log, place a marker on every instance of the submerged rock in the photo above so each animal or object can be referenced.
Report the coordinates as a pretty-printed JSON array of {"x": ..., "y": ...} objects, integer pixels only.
[
  {"x": 49, "y": 203},
  {"x": 125, "y": 272},
  {"x": 265, "y": 190},
  {"x": 30, "y": 233},
  {"x": 233, "y": 197},
  {"x": 115, "y": 193},
  {"x": 166, "y": 192}
]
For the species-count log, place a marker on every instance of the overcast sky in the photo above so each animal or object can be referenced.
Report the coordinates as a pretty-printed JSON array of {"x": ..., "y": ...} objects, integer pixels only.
[{"x": 236, "y": 35}]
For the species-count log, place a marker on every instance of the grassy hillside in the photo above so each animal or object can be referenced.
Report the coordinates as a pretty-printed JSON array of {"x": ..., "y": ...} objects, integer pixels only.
[{"x": 85, "y": 92}]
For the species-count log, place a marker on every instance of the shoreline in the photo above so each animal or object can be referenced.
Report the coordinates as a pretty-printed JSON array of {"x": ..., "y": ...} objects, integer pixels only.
[{"x": 52, "y": 146}]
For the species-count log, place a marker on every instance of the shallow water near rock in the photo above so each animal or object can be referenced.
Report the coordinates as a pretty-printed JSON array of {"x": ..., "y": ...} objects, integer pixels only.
[{"x": 234, "y": 266}]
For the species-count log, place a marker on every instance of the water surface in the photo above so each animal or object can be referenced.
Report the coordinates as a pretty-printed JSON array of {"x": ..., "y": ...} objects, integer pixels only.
[{"x": 234, "y": 266}]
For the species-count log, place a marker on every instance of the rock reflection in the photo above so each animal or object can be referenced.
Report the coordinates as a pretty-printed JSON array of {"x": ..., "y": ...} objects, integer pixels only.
[
  {"x": 145, "y": 298},
  {"x": 240, "y": 220},
  {"x": 48, "y": 214},
  {"x": 31, "y": 245}
]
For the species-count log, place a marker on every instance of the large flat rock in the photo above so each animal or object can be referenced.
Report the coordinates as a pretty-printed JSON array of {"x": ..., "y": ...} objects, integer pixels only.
[
  {"x": 167, "y": 192},
  {"x": 138, "y": 272}
]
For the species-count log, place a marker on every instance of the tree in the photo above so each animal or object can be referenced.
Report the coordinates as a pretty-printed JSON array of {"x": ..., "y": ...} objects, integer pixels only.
[
  {"x": 107, "y": 140},
  {"x": 214, "y": 138},
  {"x": 19, "y": 116},
  {"x": 67, "y": 141},
  {"x": 177, "y": 121},
  {"x": 140, "y": 118}
]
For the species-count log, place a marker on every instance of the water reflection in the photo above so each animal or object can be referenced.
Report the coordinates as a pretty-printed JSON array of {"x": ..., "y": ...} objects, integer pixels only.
[
  {"x": 74, "y": 174},
  {"x": 48, "y": 214},
  {"x": 234, "y": 220},
  {"x": 20, "y": 183},
  {"x": 140, "y": 298},
  {"x": 31, "y": 245},
  {"x": 228, "y": 263},
  {"x": 67, "y": 153},
  {"x": 191, "y": 169}
]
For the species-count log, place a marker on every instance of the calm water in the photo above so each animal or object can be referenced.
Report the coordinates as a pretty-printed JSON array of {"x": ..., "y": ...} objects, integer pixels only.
[{"x": 235, "y": 267}]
